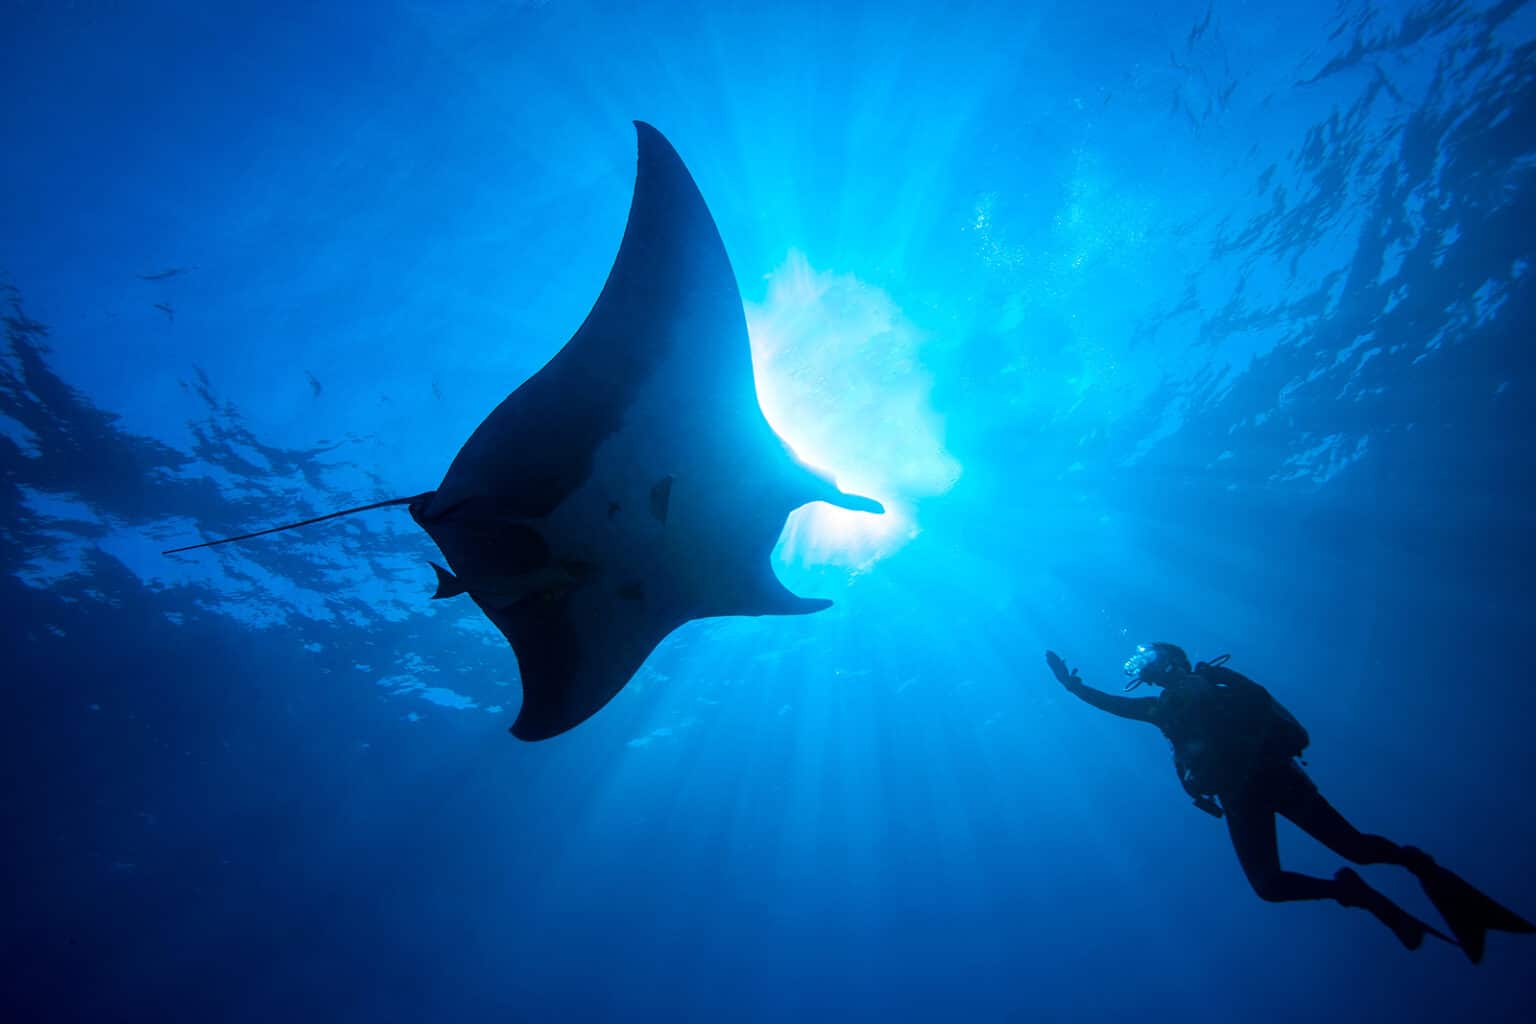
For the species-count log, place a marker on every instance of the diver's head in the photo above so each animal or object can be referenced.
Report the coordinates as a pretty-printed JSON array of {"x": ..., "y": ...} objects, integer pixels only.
[{"x": 1156, "y": 663}]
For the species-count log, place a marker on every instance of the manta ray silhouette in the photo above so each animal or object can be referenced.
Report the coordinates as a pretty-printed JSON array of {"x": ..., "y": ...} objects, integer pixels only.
[{"x": 632, "y": 484}]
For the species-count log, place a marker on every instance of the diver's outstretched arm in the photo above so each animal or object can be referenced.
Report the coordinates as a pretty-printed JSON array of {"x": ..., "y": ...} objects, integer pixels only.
[{"x": 1140, "y": 709}]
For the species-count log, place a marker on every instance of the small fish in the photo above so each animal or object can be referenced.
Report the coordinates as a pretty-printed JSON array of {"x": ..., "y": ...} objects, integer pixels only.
[
  {"x": 165, "y": 307},
  {"x": 1199, "y": 30},
  {"x": 166, "y": 274}
]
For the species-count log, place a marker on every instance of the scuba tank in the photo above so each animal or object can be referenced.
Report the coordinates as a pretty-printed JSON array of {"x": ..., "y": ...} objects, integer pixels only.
[
  {"x": 1281, "y": 732},
  {"x": 1221, "y": 724}
]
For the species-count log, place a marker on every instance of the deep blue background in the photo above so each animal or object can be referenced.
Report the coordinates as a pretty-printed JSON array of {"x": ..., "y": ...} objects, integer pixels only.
[{"x": 1188, "y": 322}]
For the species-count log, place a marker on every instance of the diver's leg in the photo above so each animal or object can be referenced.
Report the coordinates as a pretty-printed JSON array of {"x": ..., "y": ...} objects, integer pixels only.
[
  {"x": 1301, "y": 802},
  {"x": 1251, "y": 823},
  {"x": 1297, "y": 798}
]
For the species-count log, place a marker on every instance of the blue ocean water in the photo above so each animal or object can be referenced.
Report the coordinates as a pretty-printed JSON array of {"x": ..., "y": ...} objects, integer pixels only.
[{"x": 1206, "y": 322}]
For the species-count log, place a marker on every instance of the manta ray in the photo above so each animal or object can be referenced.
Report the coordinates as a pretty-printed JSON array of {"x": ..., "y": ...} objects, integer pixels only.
[{"x": 632, "y": 484}]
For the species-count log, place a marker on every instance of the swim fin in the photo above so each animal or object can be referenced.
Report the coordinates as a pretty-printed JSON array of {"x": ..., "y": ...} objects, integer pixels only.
[
  {"x": 1469, "y": 913},
  {"x": 1410, "y": 931}
]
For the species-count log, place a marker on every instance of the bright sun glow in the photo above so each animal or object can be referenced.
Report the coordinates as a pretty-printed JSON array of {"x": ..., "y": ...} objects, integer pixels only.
[{"x": 840, "y": 379}]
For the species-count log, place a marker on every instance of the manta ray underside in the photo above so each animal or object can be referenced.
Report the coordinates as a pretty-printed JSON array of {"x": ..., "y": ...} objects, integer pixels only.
[{"x": 632, "y": 484}]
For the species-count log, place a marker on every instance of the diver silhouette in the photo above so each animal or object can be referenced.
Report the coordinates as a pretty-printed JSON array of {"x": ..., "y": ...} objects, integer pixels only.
[{"x": 1236, "y": 751}]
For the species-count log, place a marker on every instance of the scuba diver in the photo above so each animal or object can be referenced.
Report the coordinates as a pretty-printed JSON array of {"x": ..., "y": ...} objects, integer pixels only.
[{"x": 1236, "y": 751}]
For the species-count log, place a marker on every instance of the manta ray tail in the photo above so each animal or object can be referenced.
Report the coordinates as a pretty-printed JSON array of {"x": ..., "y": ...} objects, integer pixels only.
[{"x": 303, "y": 522}]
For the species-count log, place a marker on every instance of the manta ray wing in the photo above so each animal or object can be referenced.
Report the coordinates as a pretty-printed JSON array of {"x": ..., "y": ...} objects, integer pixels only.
[{"x": 632, "y": 484}]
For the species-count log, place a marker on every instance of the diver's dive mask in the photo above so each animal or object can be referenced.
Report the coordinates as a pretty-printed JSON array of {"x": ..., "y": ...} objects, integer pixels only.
[{"x": 1153, "y": 663}]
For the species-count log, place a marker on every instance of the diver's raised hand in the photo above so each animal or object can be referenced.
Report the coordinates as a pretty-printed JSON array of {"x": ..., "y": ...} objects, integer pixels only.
[{"x": 1067, "y": 677}]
